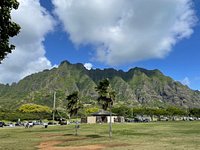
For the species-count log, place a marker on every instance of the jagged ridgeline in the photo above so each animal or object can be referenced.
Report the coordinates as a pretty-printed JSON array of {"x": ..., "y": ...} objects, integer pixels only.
[{"x": 136, "y": 87}]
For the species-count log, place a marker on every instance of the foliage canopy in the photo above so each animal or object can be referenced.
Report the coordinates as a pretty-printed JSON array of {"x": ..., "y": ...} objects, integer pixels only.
[
  {"x": 106, "y": 94},
  {"x": 8, "y": 28},
  {"x": 34, "y": 108},
  {"x": 73, "y": 103}
]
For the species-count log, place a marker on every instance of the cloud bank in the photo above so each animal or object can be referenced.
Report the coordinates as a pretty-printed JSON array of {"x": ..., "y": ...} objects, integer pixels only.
[
  {"x": 29, "y": 55},
  {"x": 124, "y": 31},
  {"x": 88, "y": 66}
]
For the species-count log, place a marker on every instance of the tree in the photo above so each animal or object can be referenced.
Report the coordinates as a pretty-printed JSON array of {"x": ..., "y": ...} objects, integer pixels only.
[
  {"x": 8, "y": 28},
  {"x": 30, "y": 111},
  {"x": 175, "y": 111},
  {"x": 73, "y": 106},
  {"x": 106, "y": 98},
  {"x": 194, "y": 112},
  {"x": 89, "y": 110},
  {"x": 34, "y": 108},
  {"x": 138, "y": 111},
  {"x": 123, "y": 110}
]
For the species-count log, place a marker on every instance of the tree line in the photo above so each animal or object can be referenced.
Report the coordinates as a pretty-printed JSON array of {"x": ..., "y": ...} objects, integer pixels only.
[{"x": 129, "y": 112}]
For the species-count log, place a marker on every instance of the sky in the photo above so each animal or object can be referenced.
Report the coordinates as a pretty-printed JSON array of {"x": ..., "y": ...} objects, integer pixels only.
[{"x": 122, "y": 34}]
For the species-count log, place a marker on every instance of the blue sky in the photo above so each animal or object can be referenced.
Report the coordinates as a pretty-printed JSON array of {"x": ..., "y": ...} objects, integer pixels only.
[{"x": 69, "y": 31}]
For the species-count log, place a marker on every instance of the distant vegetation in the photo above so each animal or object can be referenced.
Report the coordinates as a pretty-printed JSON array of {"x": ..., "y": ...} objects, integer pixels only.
[
  {"x": 121, "y": 110},
  {"x": 14, "y": 116},
  {"x": 128, "y": 112}
]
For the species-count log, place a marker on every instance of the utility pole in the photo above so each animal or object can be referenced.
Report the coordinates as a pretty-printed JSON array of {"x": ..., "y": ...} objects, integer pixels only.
[{"x": 54, "y": 105}]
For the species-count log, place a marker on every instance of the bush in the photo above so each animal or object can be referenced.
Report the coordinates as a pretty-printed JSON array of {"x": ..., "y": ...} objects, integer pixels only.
[
  {"x": 34, "y": 108},
  {"x": 14, "y": 116}
]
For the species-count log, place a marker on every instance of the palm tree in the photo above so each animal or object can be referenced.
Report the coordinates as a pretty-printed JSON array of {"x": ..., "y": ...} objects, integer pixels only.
[
  {"x": 73, "y": 106},
  {"x": 106, "y": 98}
]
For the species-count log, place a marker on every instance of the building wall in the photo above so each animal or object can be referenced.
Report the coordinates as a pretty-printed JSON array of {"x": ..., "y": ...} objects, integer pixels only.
[
  {"x": 104, "y": 119},
  {"x": 91, "y": 119},
  {"x": 112, "y": 119}
]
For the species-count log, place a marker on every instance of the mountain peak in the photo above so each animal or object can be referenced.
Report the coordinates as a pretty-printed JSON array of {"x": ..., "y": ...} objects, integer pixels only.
[
  {"x": 148, "y": 87},
  {"x": 65, "y": 62}
]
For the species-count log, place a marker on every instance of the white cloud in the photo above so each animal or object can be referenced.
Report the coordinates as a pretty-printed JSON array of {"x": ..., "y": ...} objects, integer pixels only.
[
  {"x": 88, "y": 66},
  {"x": 124, "y": 31},
  {"x": 186, "y": 81},
  {"x": 29, "y": 55}
]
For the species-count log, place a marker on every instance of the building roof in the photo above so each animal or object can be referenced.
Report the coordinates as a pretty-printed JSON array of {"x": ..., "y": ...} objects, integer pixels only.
[{"x": 102, "y": 113}]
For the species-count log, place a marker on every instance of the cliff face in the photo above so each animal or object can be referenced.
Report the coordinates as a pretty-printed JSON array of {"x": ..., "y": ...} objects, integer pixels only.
[{"x": 136, "y": 87}]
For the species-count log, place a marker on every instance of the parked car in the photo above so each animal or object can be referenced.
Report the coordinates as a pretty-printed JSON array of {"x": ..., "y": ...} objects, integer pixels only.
[
  {"x": 146, "y": 120},
  {"x": 138, "y": 119},
  {"x": 62, "y": 121},
  {"x": 11, "y": 124},
  {"x": 18, "y": 124},
  {"x": 129, "y": 120},
  {"x": 52, "y": 123},
  {"x": 191, "y": 119},
  {"x": 37, "y": 122},
  {"x": 164, "y": 119},
  {"x": 2, "y": 124}
]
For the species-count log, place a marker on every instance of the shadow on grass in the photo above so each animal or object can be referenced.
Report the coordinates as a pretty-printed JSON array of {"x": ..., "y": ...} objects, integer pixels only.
[
  {"x": 88, "y": 136},
  {"x": 94, "y": 136},
  {"x": 40, "y": 130},
  {"x": 127, "y": 132},
  {"x": 69, "y": 134}
]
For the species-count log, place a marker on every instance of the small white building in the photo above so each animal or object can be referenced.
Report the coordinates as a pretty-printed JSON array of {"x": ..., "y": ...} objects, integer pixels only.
[{"x": 102, "y": 117}]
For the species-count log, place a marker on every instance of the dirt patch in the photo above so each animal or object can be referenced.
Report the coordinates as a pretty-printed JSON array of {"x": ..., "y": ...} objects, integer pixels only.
[
  {"x": 48, "y": 145},
  {"x": 50, "y": 135},
  {"x": 118, "y": 145},
  {"x": 86, "y": 147},
  {"x": 94, "y": 147},
  {"x": 52, "y": 145}
]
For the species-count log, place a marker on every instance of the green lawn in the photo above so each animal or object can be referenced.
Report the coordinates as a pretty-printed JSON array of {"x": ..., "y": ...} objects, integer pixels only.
[{"x": 137, "y": 136}]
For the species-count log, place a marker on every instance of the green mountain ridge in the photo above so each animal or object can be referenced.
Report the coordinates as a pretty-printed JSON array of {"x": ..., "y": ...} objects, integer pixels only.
[{"x": 137, "y": 87}]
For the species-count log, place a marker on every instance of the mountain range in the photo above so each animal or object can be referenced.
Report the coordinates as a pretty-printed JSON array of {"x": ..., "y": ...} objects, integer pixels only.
[{"x": 136, "y": 87}]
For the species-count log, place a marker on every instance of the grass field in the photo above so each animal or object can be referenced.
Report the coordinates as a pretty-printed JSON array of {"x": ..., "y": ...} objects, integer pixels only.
[{"x": 134, "y": 136}]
